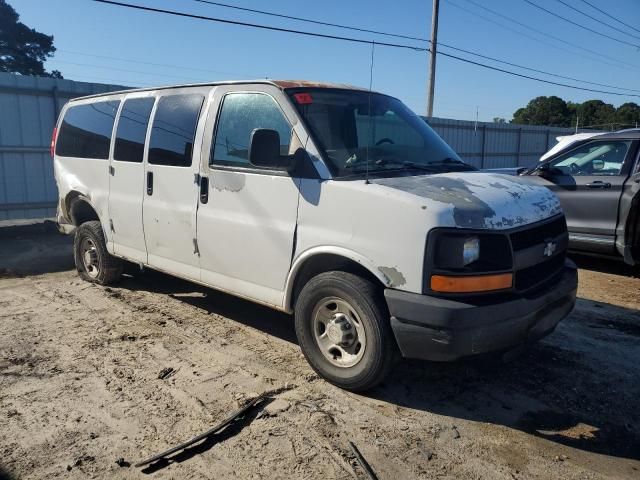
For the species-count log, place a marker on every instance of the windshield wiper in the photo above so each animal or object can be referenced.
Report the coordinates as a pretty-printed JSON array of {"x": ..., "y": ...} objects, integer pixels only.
[
  {"x": 384, "y": 162},
  {"x": 453, "y": 162},
  {"x": 420, "y": 166}
]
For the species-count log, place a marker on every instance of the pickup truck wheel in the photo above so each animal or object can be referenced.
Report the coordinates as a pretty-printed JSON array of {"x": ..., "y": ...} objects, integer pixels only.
[
  {"x": 343, "y": 329},
  {"x": 93, "y": 261}
]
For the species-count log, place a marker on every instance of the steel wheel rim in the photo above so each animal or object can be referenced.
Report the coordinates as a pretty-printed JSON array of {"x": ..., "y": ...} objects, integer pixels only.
[
  {"x": 338, "y": 332},
  {"x": 89, "y": 254}
]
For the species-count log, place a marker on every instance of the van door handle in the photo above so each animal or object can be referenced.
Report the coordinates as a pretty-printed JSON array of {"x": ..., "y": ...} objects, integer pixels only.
[
  {"x": 599, "y": 184},
  {"x": 204, "y": 189},
  {"x": 149, "y": 183}
]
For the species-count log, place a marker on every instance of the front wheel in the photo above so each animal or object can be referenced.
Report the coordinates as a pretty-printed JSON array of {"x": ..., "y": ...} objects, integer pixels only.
[
  {"x": 93, "y": 261},
  {"x": 343, "y": 329}
]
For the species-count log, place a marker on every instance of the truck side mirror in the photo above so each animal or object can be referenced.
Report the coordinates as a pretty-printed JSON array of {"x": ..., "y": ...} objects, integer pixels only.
[
  {"x": 546, "y": 170},
  {"x": 264, "y": 150},
  {"x": 542, "y": 170}
]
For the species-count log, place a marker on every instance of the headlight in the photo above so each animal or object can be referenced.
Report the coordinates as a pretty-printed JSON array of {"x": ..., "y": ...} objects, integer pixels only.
[
  {"x": 470, "y": 250},
  {"x": 465, "y": 256}
]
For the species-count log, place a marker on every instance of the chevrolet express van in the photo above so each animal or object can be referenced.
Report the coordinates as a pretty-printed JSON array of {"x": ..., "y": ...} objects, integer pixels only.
[{"x": 336, "y": 204}]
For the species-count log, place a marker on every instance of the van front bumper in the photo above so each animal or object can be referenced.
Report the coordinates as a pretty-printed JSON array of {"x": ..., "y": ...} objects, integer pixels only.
[{"x": 431, "y": 328}]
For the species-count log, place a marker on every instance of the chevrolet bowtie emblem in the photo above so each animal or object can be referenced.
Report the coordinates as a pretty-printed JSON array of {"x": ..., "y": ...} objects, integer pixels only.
[{"x": 550, "y": 248}]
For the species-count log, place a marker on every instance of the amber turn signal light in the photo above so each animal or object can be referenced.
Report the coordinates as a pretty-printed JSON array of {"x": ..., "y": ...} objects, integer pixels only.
[{"x": 468, "y": 284}]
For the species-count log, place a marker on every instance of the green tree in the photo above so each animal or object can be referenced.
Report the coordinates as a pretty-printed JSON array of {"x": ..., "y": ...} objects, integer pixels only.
[
  {"x": 551, "y": 111},
  {"x": 597, "y": 114},
  {"x": 499, "y": 120},
  {"x": 628, "y": 115},
  {"x": 23, "y": 50}
]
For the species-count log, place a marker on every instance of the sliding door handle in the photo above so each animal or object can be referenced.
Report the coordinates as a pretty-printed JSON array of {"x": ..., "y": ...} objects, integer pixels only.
[
  {"x": 204, "y": 189},
  {"x": 149, "y": 183}
]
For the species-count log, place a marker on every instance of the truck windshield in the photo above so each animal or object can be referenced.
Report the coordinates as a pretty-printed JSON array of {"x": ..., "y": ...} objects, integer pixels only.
[{"x": 360, "y": 131}]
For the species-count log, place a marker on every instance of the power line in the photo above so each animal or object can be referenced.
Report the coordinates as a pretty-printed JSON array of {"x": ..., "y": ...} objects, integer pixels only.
[
  {"x": 199, "y": 17},
  {"x": 142, "y": 62},
  {"x": 213, "y": 71},
  {"x": 610, "y": 16},
  {"x": 317, "y": 22},
  {"x": 580, "y": 25},
  {"x": 257, "y": 25},
  {"x": 535, "y": 78},
  {"x": 540, "y": 32},
  {"x": 534, "y": 69},
  {"x": 350, "y": 27},
  {"x": 138, "y": 72},
  {"x": 597, "y": 19},
  {"x": 109, "y": 81}
]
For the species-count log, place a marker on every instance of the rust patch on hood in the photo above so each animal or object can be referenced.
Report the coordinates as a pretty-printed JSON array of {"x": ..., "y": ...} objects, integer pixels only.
[{"x": 481, "y": 200}]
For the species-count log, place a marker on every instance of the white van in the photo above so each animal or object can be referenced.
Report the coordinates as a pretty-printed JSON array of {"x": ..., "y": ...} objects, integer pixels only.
[{"x": 333, "y": 203}]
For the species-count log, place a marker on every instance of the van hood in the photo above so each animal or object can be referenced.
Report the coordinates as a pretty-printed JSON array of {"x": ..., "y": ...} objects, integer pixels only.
[{"x": 479, "y": 200}]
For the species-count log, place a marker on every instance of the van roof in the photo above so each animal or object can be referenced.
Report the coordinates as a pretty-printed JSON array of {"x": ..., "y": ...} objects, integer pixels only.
[{"x": 282, "y": 84}]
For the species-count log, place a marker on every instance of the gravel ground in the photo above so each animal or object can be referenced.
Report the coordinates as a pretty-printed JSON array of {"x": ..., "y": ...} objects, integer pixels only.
[{"x": 81, "y": 397}]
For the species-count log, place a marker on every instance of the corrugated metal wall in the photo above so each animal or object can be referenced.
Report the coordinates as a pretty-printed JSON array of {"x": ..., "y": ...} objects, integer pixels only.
[
  {"x": 29, "y": 107},
  {"x": 497, "y": 145}
]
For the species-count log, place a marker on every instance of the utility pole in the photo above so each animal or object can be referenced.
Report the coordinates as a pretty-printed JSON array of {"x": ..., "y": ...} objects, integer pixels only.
[{"x": 432, "y": 58}]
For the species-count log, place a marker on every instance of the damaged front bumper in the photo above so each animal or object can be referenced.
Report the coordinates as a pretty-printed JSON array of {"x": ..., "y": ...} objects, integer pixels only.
[{"x": 438, "y": 329}]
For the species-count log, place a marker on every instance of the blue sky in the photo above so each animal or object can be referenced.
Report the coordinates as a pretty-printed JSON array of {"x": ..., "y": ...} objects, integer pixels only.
[{"x": 191, "y": 51}]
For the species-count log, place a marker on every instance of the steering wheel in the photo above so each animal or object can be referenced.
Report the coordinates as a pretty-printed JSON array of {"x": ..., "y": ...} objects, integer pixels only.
[
  {"x": 574, "y": 169},
  {"x": 385, "y": 140}
]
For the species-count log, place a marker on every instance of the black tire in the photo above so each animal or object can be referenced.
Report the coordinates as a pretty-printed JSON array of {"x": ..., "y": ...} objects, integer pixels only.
[
  {"x": 380, "y": 351},
  {"x": 105, "y": 269}
]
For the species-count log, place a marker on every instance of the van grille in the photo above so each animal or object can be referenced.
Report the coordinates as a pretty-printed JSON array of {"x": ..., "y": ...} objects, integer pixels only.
[
  {"x": 532, "y": 276},
  {"x": 530, "y": 247},
  {"x": 526, "y": 238}
]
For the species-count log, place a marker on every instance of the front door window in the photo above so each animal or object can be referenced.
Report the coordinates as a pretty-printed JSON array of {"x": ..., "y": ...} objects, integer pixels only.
[
  {"x": 241, "y": 114},
  {"x": 594, "y": 158}
]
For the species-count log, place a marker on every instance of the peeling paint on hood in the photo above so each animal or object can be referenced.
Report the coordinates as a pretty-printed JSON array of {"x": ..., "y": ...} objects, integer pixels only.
[{"x": 480, "y": 200}]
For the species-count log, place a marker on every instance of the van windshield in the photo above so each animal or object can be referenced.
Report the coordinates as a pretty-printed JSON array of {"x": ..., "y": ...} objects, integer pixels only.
[{"x": 360, "y": 131}]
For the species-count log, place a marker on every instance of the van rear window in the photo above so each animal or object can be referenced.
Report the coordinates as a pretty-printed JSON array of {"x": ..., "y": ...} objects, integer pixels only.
[
  {"x": 132, "y": 129},
  {"x": 86, "y": 130},
  {"x": 174, "y": 129}
]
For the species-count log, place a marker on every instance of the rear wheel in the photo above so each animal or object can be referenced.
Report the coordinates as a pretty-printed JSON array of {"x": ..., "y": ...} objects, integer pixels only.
[
  {"x": 343, "y": 329},
  {"x": 93, "y": 261}
]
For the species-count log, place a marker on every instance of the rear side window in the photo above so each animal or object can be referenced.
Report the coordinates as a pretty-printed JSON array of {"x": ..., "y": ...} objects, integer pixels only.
[
  {"x": 132, "y": 129},
  {"x": 174, "y": 130},
  {"x": 86, "y": 130},
  {"x": 241, "y": 114}
]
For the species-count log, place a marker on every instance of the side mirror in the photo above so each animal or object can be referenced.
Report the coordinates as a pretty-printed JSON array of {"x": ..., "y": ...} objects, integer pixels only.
[
  {"x": 264, "y": 150},
  {"x": 598, "y": 164},
  {"x": 546, "y": 170},
  {"x": 543, "y": 169}
]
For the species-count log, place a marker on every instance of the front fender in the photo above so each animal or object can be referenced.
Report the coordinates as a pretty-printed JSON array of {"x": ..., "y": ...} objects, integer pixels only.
[{"x": 300, "y": 260}]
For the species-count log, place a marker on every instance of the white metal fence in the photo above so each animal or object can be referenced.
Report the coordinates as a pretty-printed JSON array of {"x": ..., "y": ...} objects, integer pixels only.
[{"x": 29, "y": 107}]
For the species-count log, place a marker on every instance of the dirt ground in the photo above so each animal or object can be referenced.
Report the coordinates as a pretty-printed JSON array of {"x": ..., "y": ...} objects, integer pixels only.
[{"x": 79, "y": 387}]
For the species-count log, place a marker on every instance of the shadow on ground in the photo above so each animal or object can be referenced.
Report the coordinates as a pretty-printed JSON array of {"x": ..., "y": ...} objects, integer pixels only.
[
  {"x": 614, "y": 266},
  {"x": 247, "y": 313},
  {"x": 35, "y": 254},
  {"x": 549, "y": 391},
  {"x": 556, "y": 390},
  {"x": 4, "y": 475}
]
